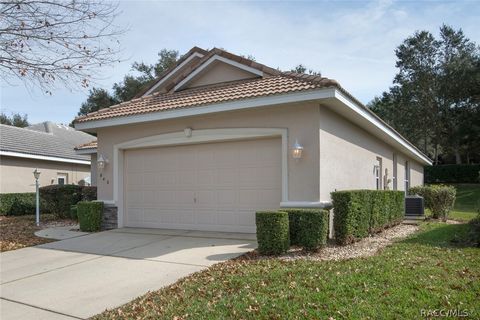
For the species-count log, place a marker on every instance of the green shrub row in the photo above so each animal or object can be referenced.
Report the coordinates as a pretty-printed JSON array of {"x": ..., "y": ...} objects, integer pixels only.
[
  {"x": 359, "y": 213},
  {"x": 59, "y": 198},
  {"x": 16, "y": 204},
  {"x": 452, "y": 173},
  {"x": 438, "y": 198},
  {"x": 308, "y": 228},
  {"x": 90, "y": 215},
  {"x": 277, "y": 230}
]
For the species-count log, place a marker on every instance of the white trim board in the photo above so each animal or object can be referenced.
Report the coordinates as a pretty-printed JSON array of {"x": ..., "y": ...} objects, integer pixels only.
[
  {"x": 167, "y": 76},
  {"x": 211, "y": 108},
  {"x": 39, "y": 157},
  {"x": 198, "y": 136},
  {"x": 211, "y": 60}
]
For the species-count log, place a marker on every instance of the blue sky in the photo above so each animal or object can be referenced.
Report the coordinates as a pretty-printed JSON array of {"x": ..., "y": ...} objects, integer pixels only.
[{"x": 350, "y": 41}]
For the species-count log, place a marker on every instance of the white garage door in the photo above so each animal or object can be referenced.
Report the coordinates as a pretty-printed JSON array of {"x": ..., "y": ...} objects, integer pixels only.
[{"x": 214, "y": 187}]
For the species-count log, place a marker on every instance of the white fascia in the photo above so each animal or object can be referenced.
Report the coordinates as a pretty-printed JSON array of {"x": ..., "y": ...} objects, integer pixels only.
[
  {"x": 377, "y": 122},
  {"x": 39, "y": 157},
  {"x": 211, "y": 108},
  {"x": 166, "y": 77},
  {"x": 212, "y": 60}
]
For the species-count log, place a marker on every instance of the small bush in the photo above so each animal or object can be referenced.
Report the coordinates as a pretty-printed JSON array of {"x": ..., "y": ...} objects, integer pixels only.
[
  {"x": 359, "y": 213},
  {"x": 311, "y": 227},
  {"x": 15, "y": 204},
  {"x": 439, "y": 199},
  {"x": 452, "y": 173},
  {"x": 272, "y": 232},
  {"x": 90, "y": 215},
  {"x": 308, "y": 227},
  {"x": 73, "y": 212}
]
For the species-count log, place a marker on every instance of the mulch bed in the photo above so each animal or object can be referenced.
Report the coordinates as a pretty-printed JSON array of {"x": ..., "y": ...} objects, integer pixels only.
[
  {"x": 17, "y": 232},
  {"x": 363, "y": 248}
]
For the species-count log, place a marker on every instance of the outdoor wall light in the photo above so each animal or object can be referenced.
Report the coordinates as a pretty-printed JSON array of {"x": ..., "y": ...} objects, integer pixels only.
[
  {"x": 297, "y": 150},
  {"x": 102, "y": 162},
  {"x": 188, "y": 132}
]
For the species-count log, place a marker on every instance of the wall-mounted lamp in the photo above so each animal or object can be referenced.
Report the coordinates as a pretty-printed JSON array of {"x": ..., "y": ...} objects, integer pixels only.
[
  {"x": 101, "y": 162},
  {"x": 188, "y": 132},
  {"x": 297, "y": 150}
]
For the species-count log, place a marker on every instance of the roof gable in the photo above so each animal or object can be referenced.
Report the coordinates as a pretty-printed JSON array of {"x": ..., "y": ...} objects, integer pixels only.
[{"x": 218, "y": 69}]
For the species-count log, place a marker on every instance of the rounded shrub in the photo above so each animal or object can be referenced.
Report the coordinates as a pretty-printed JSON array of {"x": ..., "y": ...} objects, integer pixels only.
[
  {"x": 272, "y": 232},
  {"x": 90, "y": 215},
  {"x": 438, "y": 198}
]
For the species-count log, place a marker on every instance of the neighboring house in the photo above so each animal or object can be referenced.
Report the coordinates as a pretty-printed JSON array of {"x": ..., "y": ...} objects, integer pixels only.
[
  {"x": 218, "y": 137},
  {"x": 46, "y": 146}
]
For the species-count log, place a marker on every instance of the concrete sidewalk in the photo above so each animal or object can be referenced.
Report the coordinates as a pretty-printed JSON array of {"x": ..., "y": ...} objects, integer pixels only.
[{"x": 82, "y": 276}]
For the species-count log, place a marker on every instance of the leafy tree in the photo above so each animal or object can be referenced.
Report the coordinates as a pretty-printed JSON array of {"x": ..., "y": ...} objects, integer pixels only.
[
  {"x": 16, "y": 119},
  {"x": 44, "y": 43},
  {"x": 434, "y": 101},
  {"x": 303, "y": 69},
  {"x": 131, "y": 85},
  {"x": 97, "y": 99}
]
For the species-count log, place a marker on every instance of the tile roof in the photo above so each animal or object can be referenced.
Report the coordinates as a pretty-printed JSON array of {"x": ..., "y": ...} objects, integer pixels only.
[
  {"x": 87, "y": 146},
  {"x": 35, "y": 140},
  {"x": 284, "y": 82}
]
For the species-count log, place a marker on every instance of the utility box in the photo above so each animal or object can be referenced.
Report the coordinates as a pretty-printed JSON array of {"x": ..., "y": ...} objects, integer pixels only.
[{"x": 414, "y": 206}]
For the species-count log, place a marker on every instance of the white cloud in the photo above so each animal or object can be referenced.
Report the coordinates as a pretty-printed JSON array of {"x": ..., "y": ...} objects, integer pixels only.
[{"x": 352, "y": 42}]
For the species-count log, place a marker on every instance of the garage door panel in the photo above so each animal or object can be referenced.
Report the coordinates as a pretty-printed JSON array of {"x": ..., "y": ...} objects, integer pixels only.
[{"x": 216, "y": 186}]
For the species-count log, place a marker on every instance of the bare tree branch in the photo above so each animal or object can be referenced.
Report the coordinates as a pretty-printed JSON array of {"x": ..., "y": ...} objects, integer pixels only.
[{"x": 45, "y": 43}]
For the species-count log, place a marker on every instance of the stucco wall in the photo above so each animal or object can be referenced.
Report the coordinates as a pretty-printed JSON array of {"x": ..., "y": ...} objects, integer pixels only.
[
  {"x": 220, "y": 72},
  {"x": 337, "y": 154},
  {"x": 300, "y": 119},
  {"x": 348, "y": 155},
  {"x": 16, "y": 174}
]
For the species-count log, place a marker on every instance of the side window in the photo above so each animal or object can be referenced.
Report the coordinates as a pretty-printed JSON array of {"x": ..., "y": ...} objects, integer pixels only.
[
  {"x": 407, "y": 176},
  {"x": 62, "y": 178},
  {"x": 378, "y": 174},
  {"x": 394, "y": 178}
]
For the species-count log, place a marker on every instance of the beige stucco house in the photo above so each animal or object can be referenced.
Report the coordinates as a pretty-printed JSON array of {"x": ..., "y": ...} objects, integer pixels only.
[
  {"x": 218, "y": 137},
  {"x": 46, "y": 146}
]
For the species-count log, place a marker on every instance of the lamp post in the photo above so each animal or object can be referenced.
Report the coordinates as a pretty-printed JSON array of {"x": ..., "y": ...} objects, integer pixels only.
[{"x": 36, "y": 174}]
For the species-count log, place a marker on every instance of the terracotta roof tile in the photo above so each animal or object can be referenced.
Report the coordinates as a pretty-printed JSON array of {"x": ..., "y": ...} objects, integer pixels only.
[
  {"x": 88, "y": 145},
  {"x": 287, "y": 82}
]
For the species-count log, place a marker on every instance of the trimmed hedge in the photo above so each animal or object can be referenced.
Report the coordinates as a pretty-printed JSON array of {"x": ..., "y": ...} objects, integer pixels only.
[
  {"x": 272, "y": 232},
  {"x": 359, "y": 213},
  {"x": 90, "y": 215},
  {"x": 16, "y": 204},
  {"x": 308, "y": 227},
  {"x": 438, "y": 198},
  {"x": 452, "y": 173},
  {"x": 60, "y": 198}
]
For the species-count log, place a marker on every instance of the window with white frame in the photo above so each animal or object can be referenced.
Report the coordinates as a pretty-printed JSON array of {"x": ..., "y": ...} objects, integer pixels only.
[
  {"x": 407, "y": 176},
  {"x": 394, "y": 178},
  {"x": 378, "y": 173},
  {"x": 62, "y": 178}
]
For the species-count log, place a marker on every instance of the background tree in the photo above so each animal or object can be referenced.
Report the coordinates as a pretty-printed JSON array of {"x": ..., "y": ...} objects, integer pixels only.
[
  {"x": 144, "y": 75},
  {"x": 16, "y": 119},
  {"x": 434, "y": 100},
  {"x": 300, "y": 68},
  {"x": 48, "y": 42}
]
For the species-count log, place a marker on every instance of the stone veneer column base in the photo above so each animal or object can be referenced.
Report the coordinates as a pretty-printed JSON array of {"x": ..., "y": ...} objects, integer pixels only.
[{"x": 110, "y": 217}]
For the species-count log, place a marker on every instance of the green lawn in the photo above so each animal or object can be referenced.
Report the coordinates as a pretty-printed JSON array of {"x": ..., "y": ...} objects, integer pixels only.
[
  {"x": 467, "y": 203},
  {"x": 437, "y": 268}
]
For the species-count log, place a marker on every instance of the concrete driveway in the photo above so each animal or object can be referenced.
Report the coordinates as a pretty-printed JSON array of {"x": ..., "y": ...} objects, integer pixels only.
[{"x": 83, "y": 276}]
